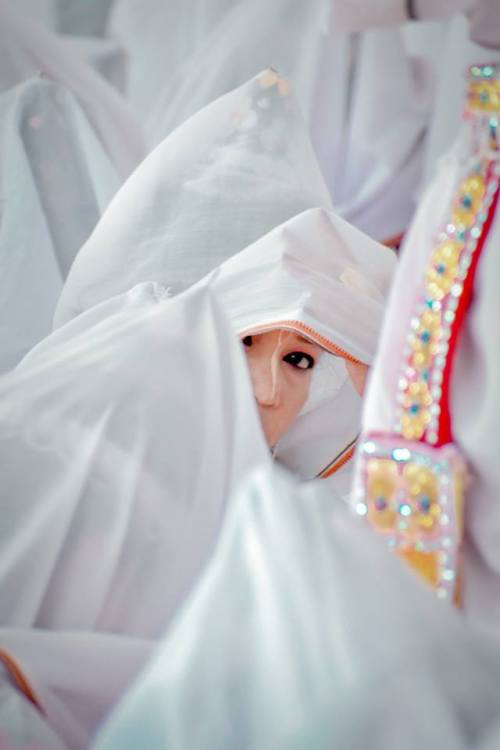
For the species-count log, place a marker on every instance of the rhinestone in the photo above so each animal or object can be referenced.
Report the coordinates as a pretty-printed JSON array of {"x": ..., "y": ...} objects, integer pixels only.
[
  {"x": 444, "y": 520},
  {"x": 436, "y": 305},
  {"x": 475, "y": 232},
  {"x": 401, "y": 454},
  {"x": 447, "y": 542},
  {"x": 380, "y": 503},
  {"x": 361, "y": 509},
  {"x": 448, "y": 575},
  {"x": 453, "y": 303},
  {"x": 424, "y": 504},
  {"x": 405, "y": 510},
  {"x": 432, "y": 438},
  {"x": 450, "y": 229},
  {"x": 434, "y": 409},
  {"x": 415, "y": 323},
  {"x": 369, "y": 447},
  {"x": 456, "y": 290},
  {"x": 437, "y": 376},
  {"x": 436, "y": 391},
  {"x": 449, "y": 316}
]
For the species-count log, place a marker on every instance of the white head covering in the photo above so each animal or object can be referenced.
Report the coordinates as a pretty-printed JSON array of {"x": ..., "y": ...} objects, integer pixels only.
[
  {"x": 121, "y": 437},
  {"x": 130, "y": 427},
  {"x": 55, "y": 181},
  {"x": 304, "y": 633},
  {"x": 476, "y": 369},
  {"x": 364, "y": 105},
  {"x": 27, "y": 50},
  {"x": 245, "y": 164},
  {"x": 326, "y": 280},
  {"x": 235, "y": 170}
]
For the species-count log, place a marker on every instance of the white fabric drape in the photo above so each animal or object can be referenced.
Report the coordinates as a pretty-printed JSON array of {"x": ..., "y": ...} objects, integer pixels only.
[
  {"x": 320, "y": 276},
  {"x": 55, "y": 182},
  {"x": 27, "y": 50},
  {"x": 21, "y": 724},
  {"x": 245, "y": 164},
  {"x": 122, "y": 436},
  {"x": 305, "y": 632},
  {"x": 184, "y": 54},
  {"x": 234, "y": 171}
]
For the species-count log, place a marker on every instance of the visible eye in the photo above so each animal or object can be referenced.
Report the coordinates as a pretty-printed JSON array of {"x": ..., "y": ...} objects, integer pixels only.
[
  {"x": 300, "y": 360},
  {"x": 247, "y": 340}
]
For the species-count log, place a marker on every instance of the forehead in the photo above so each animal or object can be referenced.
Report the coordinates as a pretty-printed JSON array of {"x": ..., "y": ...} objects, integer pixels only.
[{"x": 286, "y": 335}]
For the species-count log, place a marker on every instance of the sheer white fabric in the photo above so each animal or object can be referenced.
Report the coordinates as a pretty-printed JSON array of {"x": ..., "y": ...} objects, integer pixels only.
[
  {"x": 22, "y": 727},
  {"x": 305, "y": 632},
  {"x": 474, "y": 386},
  {"x": 245, "y": 164},
  {"x": 234, "y": 171},
  {"x": 184, "y": 54},
  {"x": 106, "y": 56},
  {"x": 456, "y": 54},
  {"x": 122, "y": 436},
  {"x": 28, "y": 50},
  {"x": 320, "y": 276},
  {"x": 55, "y": 182}
]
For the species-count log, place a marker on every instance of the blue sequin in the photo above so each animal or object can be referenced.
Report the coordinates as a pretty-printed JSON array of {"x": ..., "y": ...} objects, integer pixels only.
[{"x": 424, "y": 504}]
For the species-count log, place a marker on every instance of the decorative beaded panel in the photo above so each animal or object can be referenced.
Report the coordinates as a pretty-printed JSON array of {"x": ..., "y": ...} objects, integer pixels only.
[
  {"x": 412, "y": 495},
  {"x": 410, "y": 483}
]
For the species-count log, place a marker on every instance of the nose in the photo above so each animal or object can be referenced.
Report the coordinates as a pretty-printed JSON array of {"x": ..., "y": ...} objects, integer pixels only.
[{"x": 266, "y": 383}]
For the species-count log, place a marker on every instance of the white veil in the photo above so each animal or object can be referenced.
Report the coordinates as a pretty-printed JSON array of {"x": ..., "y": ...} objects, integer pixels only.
[
  {"x": 28, "y": 50},
  {"x": 234, "y": 171},
  {"x": 55, "y": 182},
  {"x": 305, "y": 632},
  {"x": 364, "y": 100},
  {"x": 121, "y": 437}
]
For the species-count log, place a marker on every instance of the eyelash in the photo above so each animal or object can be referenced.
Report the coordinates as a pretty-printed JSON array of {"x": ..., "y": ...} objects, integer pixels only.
[
  {"x": 292, "y": 359},
  {"x": 299, "y": 357}
]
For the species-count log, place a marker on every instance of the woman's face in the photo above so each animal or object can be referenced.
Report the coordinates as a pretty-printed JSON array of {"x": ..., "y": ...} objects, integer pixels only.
[{"x": 281, "y": 364}]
